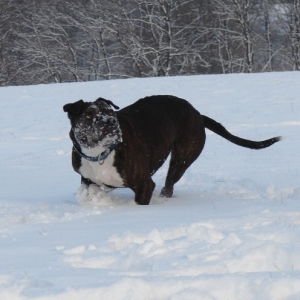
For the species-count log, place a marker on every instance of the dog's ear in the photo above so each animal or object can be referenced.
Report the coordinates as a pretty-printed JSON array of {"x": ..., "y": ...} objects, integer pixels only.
[
  {"x": 110, "y": 103},
  {"x": 74, "y": 108}
]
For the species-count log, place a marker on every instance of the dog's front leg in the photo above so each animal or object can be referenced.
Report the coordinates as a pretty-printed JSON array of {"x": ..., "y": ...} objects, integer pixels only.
[
  {"x": 91, "y": 193},
  {"x": 143, "y": 191},
  {"x": 86, "y": 181},
  {"x": 86, "y": 191}
]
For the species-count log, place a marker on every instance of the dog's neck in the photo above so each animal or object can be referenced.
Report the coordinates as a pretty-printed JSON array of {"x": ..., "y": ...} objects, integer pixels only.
[{"x": 103, "y": 146}]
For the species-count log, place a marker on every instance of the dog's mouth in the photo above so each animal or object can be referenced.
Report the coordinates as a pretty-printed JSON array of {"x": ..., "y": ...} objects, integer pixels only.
[{"x": 102, "y": 131}]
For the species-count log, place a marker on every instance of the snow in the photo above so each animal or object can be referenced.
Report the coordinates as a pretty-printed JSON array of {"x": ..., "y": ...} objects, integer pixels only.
[{"x": 231, "y": 231}]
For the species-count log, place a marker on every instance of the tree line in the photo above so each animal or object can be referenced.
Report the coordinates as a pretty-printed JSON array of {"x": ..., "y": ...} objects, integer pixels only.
[{"x": 82, "y": 40}]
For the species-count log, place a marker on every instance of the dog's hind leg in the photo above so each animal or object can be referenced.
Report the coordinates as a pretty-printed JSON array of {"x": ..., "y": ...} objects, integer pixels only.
[
  {"x": 176, "y": 169},
  {"x": 182, "y": 156}
]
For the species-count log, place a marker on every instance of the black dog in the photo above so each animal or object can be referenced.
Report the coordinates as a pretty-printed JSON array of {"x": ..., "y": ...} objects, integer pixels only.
[{"x": 125, "y": 148}]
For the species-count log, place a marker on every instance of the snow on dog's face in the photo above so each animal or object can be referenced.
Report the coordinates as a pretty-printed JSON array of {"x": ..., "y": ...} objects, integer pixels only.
[{"x": 94, "y": 123}]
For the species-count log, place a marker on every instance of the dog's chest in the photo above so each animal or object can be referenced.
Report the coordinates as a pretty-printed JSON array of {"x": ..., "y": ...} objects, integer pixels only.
[{"x": 102, "y": 174}]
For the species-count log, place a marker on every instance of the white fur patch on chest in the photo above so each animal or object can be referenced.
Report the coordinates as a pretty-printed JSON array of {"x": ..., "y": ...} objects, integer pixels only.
[{"x": 99, "y": 174}]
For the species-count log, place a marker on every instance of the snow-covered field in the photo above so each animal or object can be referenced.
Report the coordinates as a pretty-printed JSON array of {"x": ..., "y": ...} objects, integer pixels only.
[{"x": 231, "y": 231}]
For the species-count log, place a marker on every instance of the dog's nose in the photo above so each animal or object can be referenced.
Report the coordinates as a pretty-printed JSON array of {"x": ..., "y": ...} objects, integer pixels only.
[
  {"x": 109, "y": 120},
  {"x": 92, "y": 112}
]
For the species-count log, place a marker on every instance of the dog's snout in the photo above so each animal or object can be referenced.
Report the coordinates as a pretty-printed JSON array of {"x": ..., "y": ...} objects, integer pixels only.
[
  {"x": 109, "y": 120},
  {"x": 112, "y": 120},
  {"x": 92, "y": 112}
]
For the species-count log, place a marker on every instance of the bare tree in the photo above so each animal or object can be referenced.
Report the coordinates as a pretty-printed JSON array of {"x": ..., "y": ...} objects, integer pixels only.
[
  {"x": 45, "y": 45},
  {"x": 6, "y": 67},
  {"x": 236, "y": 22},
  {"x": 267, "y": 35},
  {"x": 290, "y": 21},
  {"x": 100, "y": 52},
  {"x": 74, "y": 40},
  {"x": 161, "y": 37}
]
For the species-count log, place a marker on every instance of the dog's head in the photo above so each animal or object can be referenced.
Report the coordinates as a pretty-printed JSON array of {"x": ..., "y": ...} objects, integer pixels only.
[{"x": 94, "y": 123}]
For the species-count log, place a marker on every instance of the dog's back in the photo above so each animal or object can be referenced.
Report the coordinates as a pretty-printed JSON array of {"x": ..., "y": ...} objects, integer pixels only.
[{"x": 158, "y": 115}]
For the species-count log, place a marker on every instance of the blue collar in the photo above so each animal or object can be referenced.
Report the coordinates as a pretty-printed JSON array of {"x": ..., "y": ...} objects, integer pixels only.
[{"x": 100, "y": 158}]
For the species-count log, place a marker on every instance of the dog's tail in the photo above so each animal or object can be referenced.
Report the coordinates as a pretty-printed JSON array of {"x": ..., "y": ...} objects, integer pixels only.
[{"x": 221, "y": 130}]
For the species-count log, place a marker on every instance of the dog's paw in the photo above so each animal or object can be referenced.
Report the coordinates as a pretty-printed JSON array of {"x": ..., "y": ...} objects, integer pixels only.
[
  {"x": 92, "y": 195},
  {"x": 166, "y": 193}
]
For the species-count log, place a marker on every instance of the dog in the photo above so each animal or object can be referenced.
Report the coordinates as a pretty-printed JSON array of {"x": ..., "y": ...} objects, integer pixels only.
[{"x": 125, "y": 148}]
